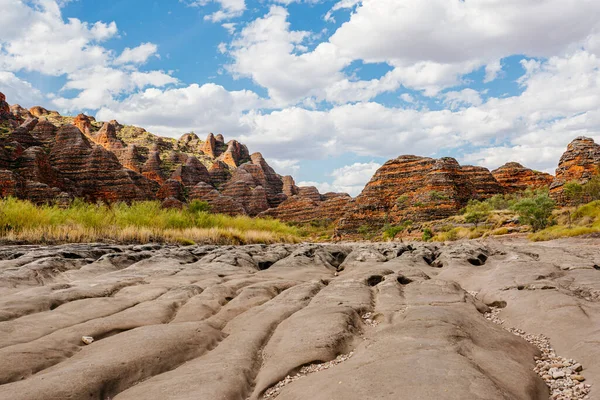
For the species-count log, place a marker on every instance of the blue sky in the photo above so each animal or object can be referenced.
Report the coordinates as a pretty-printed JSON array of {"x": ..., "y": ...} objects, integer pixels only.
[{"x": 327, "y": 90}]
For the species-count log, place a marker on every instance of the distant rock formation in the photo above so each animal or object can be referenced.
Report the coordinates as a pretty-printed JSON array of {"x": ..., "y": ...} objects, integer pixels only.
[
  {"x": 418, "y": 189},
  {"x": 46, "y": 157},
  {"x": 579, "y": 163},
  {"x": 514, "y": 177}
]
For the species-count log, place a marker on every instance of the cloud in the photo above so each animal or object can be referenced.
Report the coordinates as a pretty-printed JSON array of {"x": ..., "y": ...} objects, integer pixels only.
[
  {"x": 18, "y": 91},
  {"x": 229, "y": 8},
  {"x": 349, "y": 179},
  {"x": 466, "y": 97},
  {"x": 137, "y": 55},
  {"x": 174, "y": 111}
]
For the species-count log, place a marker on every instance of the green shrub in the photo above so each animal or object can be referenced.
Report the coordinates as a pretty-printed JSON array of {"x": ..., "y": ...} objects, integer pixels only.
[
  {"x": 437, "y": 196},
  {"x": 477, "y": 212},
  {"x": 535, "y": 211},
  {"x": 198, "y": 206},
  {"x": 390, "y": 232},
  {"x": 401, "y": 201},
  {"x": 427, "y": 235}
]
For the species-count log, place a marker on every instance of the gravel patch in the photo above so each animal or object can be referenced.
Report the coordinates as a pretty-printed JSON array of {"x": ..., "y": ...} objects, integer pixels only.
[
  {"x": 274, "y": 391},
  {"x": 563, "y": 376}
]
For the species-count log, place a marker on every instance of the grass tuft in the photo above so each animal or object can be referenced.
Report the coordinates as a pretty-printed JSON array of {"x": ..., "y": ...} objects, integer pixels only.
[{"x": 140, "y": 222}]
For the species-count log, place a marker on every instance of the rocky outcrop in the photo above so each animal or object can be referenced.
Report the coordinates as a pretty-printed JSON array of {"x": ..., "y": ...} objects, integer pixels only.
[
  {"x": 94, "y": 172},
  {"x": 309, "y": 192},
  {"x": 107, "y": 138},
  {"x": 210, "y": 146},
  {"x": 235, "y": 154},
  {"x": 410, "y": 188},
  {"x": 513, "y": 177},
  {"x": 5, "y": 113},
  {"x": 147, "y": 161},
  {"x": 19, "y": 112},
  {"x": 171, "y": 189},
  {"x": 84, "y": 124},
  {"x": 305, "y": 209},
  {"x": 219, "y": 174},
  {"x": 484, "y": 183},
  {"x": 151, "y": 169},
  {"x": 289, "y": 186},
  {"x": 192, "y": 173},
  {"x": 218, "y": 203},
  {"x": 579, "y": 163}
]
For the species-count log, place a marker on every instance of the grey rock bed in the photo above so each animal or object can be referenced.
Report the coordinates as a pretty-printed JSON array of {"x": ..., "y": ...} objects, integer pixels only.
[{"x": 344, "y": 321}]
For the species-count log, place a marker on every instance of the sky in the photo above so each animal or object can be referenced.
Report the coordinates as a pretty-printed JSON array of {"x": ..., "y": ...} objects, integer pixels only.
[{"x": 327, "y": 90}]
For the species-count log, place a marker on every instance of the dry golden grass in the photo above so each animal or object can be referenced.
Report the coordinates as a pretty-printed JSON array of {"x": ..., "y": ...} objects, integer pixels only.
[{"x": 23, "y": 222}]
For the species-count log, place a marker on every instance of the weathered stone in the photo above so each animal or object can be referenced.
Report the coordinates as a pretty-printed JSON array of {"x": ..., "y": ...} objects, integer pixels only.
[
  {"x": 514, "y": 177},
  {"x": 84, "y": 124},
  {"x": 579, "y": 163},
  {"x": 219, "y": 174},
  {"x": 151, "y": 169},
  {"x": 218, "y": 203},
  {"x": 191, "y": 173},
  {"x": 107, "y": 138},
  {"x": 171, "y": 188},
  {"x": 484, "y": 183}
]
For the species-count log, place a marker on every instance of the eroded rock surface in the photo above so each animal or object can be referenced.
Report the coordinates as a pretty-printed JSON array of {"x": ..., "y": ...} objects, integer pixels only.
[{"x": 344, "y": 321}]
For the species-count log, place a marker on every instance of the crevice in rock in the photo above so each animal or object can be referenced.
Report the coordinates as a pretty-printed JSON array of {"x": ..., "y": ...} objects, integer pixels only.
[
  {"x": 479, "y": 260},
  {"x": 263, "y": 265},
  {"x": 374, "y": 280},
  {"x": 404, "y": 280}
]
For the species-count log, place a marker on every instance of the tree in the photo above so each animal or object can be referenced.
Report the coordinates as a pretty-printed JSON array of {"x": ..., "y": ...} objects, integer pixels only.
[
  {"x": 592, "y": 188},
  {"x": 574, "y": 193},
  {"x": 477, "y": 212},
  {"x": 535, "y": 211},
  {"x": 427, "y": 235}
]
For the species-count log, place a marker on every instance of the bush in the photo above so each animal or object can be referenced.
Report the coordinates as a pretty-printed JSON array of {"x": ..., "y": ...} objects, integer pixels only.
[
  {"x": 535, "y": 211},
  {"x": 437, "y": 196},
  {"x": 477, "y": 212},
  {"x": 198, "y": 206},
  {"x": 390, "y": 232},
  {"x": 401, "y": 201},
  {"x": 427, "y": 235}
]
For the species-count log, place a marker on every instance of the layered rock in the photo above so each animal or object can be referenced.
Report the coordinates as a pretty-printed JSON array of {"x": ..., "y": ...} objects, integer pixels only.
[
  {"x": 107, "y": 138},
  {"x": 210, "y": 146},
  {"x": 484, "y": 183},
  {"x": 95, "y": 172},
  {"x": 289, "y": 186},
  {"x": 513, "y": 177},
  {"x": 247, "y": 191},
  {"x": 235, "y": 154},
  {"x": 218, "y": 203},
  {"x": 305, "y": 209},
  {"x": 84, "y": 124},
  {"x": 219, "y": 174},
  {"x": 579, "y": 163},
  {"x": 44, "y": 132},
  {"x": 131, "y": 158},
  {"x": 410, "y": 188},
  {"x": 309, "y": 192},
  {"x": 5, "y": 113},
  {"x": 19, "y": 111},
  {"x": 151, "y": 169},
  {"x": 23, "y": 135},
  {"x": 273, "y": 182},
  {"x": 171, "y": 189},
  {"x": 192, "y": 173}
]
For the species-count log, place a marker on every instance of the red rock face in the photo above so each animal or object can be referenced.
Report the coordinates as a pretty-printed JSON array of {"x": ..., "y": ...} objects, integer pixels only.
[
  {"x": 44, "y": 132},
  {"x": 10, "y": 184},
  {"x": 5, "y": 113},
  {"x": 151, "y": 168},
  {"x": 84, "y": 124},
  {"x": 107, "y": 138},
  {"x": 171, "y": 189},
  {"x": 23, "y": 135},
  {"x": 218, "y": 203},
  {"x": 289, "y": 186},
  {"x": 210, "y": 146},
  {"x": 95, "y": 172},
  {"x": 38, "y": 111},
  {"x": 20, "y": 112},
  {"x": 235, "y": 154},
  {"x": 273, "y": 182},
  {"x": 484, "y": 183},
  {"x": 409, "y": 188},
  {"x": 514, "y": 177},
  {"x": 131, "y": 158},
  {"x": 219, "y": 174},
  {"x": 309, "y": 192},
  {"x": 304, "y": 209},
  {"x": 579, "y": 163},
  {"x": 192, "y": 173},
  {"x": 245, "y": 190}
]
